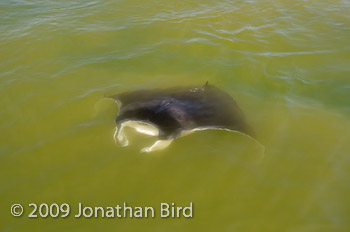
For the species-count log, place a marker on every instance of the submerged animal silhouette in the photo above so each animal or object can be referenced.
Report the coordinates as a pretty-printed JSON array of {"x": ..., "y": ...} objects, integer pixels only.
[{"x": 174, "y": 112}]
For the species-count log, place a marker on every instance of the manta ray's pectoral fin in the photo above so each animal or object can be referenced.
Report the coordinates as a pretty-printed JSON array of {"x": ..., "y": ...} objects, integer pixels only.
[
  {"x": 120, "y": 136},
  {"x": 158, "y": 145}
]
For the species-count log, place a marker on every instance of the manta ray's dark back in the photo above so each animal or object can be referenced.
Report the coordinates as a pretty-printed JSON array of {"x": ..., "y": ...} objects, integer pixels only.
[{"x": 177, "y": 109}]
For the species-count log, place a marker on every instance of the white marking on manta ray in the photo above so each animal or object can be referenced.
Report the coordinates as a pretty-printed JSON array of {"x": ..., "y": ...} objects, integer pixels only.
[
  {"x": 152, "y": 130},
  {"x": 158, "y": 145},
  {"x": 120, "y": 135},
  {"x": 142, "y": 127},
  {"x": 139, "y": 126}
]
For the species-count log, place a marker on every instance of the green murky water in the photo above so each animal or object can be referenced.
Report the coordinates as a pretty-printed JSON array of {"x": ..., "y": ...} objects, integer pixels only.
[{"x": 287, "y": 64}]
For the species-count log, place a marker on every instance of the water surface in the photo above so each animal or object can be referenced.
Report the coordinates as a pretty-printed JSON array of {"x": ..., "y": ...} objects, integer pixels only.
[{"x": 285, "y": 62}]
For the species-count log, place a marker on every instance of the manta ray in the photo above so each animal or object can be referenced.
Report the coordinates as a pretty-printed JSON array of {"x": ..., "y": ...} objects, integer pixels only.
[{"x": 174, "y": 112}]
